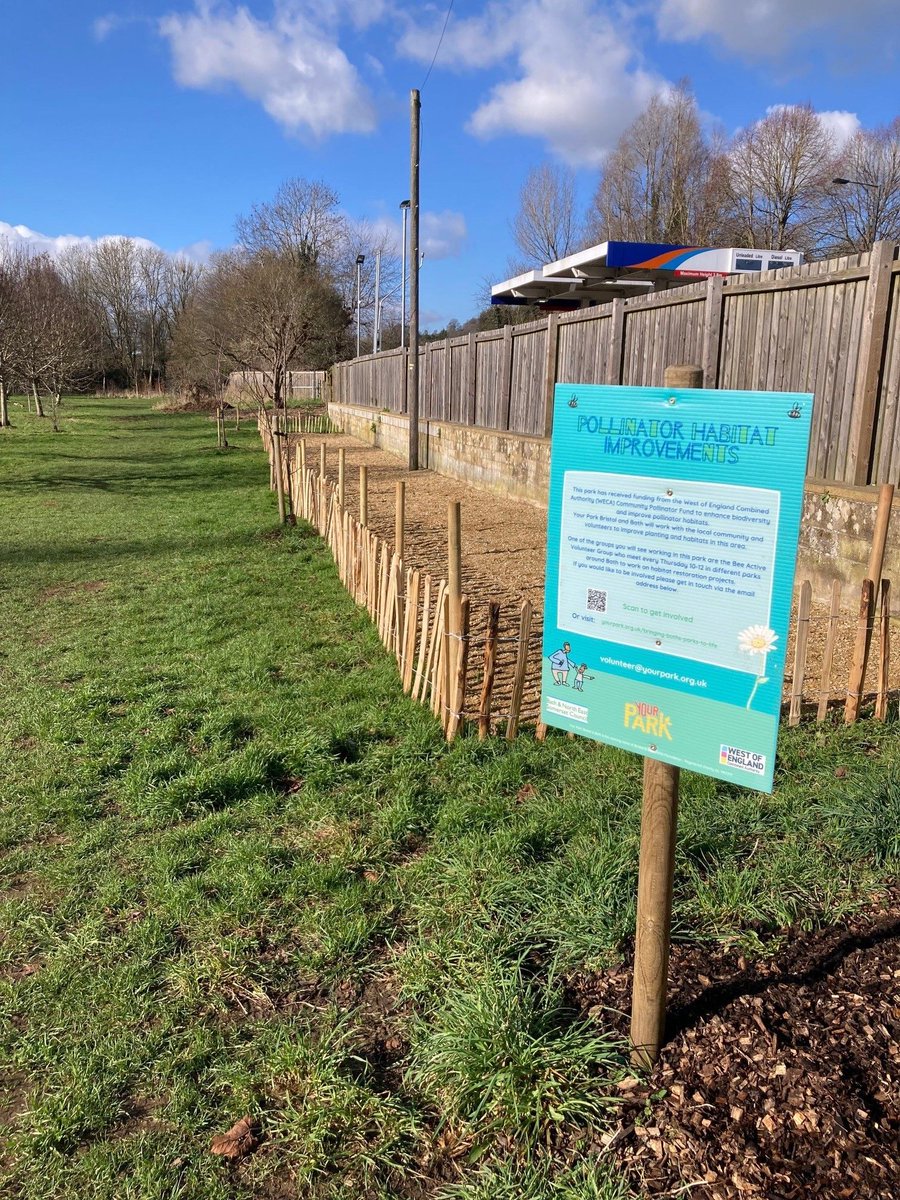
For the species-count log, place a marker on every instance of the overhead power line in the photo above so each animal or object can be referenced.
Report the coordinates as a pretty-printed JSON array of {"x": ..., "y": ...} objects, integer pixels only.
[{"x": 438, "y": 47}]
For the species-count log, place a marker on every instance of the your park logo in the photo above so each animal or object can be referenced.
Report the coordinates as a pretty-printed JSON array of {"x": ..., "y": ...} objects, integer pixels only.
[{"x": 649, "y": 719}]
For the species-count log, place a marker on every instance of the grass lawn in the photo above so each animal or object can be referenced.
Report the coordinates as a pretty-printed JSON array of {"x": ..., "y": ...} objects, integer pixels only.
[{"x": 242, "y": 875}]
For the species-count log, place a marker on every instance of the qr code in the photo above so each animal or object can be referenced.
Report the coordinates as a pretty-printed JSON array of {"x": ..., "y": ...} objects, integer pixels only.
[{"x": 596, "y": 601}]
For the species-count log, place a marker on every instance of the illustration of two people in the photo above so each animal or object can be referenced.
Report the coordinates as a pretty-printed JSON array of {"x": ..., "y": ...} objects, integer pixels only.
[{"x": 561, "y": 665}]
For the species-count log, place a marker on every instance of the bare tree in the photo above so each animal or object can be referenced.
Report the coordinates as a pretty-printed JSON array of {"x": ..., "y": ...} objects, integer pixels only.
[
  {"x": 302, "y": 223},
  {"x": 151, "y": 272},
  {"x": 656, "y": 183},
  {"x": 263, "y": 314},
  {"x": 867, "y": 208},
  {"x": 12, "y": 267},
  {"x": 546, "y": 226},
  {"x": 779, "y": 179},
  {"x": 56, "y": 334},
  {"x": 116, "y": 281}
]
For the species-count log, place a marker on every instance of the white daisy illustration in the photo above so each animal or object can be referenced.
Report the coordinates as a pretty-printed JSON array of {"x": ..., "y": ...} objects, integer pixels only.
[{"x": 757, "y": 639}]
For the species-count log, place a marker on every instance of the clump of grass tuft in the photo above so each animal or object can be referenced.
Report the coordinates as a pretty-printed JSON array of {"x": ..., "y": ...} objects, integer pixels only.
[
  {"x": 504, "y": 1055},
  {"x": 588, "y": 1180},
  {"x": 327, "y": 1117}
]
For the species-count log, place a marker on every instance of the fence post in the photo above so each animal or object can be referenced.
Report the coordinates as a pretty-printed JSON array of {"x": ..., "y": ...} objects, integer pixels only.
[
  {"x": 828, "y": 653},
  {"x": 363, "y": 497},
  {"x": 515, "y": 704},
  {"x": 471, "y": 378},
  {"x": 279, "y": 475},
  {"x": 869, "y": 591},
  {"x": 550, "y": 370},
  {"x": 458, "y": 679},
  {"x": 857, "y": 680},
  {"x": 860, "y": 465},
  {"x": 506, "y": 377},
  {"x": 801, "y": 642},
  {"x": 342, "y": 462},
  {"x": 454, "y": 580},
  {"x": 712, "y": 329},
  {"x": 884, "y": 659},
  {"x": 614, "y": 370},
  {"x": 400, "y": 519},
  {"x": 490, "y": 662}
]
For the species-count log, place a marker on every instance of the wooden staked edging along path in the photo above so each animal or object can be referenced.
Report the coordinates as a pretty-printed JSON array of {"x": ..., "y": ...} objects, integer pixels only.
[{"x": 502, "y": 552}]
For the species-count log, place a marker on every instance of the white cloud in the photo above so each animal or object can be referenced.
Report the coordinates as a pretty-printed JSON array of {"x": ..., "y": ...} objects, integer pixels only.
[
  {"x": 841, "y": 125},
  {"x": 53, "y": 244},
  {"x": 442, "y": 234},
  {"x": 292, "y": 65},
  {"x": 768, "y": 28},
  {"x": 20, "y": 236},
  {"x": 198, "y": 252},
  {"x": 579, "y": 82},
  {"x": 104, "y": 26}
]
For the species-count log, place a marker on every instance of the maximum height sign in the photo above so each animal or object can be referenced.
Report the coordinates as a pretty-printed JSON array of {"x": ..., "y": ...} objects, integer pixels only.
[{"x": 673, "y": 523}]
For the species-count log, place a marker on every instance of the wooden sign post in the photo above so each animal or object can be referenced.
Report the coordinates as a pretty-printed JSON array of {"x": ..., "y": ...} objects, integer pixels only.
[{"x": 656, "y": 872}]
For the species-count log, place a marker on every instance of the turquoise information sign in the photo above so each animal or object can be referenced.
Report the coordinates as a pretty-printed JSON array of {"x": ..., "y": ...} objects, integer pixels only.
[{"x": 672, "y": 539}]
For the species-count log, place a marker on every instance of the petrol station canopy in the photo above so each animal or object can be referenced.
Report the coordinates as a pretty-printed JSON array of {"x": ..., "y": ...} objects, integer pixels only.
[{"x": 611, "y": 269}]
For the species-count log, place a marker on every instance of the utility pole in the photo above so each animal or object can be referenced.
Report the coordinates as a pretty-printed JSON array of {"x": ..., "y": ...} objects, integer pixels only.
[
  {"x": 404, "y": 208},
  {"x": 413, "y": 374}
]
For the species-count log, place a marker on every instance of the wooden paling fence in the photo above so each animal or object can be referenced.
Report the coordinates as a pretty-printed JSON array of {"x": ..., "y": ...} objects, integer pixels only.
[
  {"x": 422, "y": 620},
  {"x": 300, "y": 423},
  {"x": 870, "y": 630},
  {"x": 426, "y": 622}
]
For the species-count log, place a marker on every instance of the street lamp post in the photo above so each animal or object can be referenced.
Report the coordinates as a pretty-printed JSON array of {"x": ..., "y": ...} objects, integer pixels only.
[
  {"x": 360, "y": 259},
  {"x": 375, "y": 323},
  {"x": 404, "y": 209}
]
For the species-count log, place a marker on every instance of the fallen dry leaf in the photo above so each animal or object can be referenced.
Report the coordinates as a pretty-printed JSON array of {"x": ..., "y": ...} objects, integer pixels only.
[{"x": 242, "y": 1138}]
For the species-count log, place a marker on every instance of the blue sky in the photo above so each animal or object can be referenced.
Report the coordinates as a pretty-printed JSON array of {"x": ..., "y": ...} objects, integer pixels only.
[{"x": 165, "y": 119}]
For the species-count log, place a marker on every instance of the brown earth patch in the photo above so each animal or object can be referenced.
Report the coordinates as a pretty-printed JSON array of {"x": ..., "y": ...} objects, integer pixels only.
[
  {"x": 68, "y": 591},
  {"x": 139, "y": 1116},
  {"x": 15, "y": 1094},
  {"x": 780, "y": 1079}
]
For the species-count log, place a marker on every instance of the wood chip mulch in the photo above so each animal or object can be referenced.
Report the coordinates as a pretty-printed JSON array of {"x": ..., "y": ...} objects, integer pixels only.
[{"x": 780, "y": 1079}]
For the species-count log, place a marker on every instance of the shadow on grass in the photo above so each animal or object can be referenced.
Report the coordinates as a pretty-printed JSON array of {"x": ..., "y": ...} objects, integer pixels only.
[{"x": 67, "y": 552}]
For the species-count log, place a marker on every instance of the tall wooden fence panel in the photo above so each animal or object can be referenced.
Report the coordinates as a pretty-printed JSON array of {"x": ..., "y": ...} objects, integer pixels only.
[
  {"x": 831, "y": 328},
  {"x": 587, "y": 351}
]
